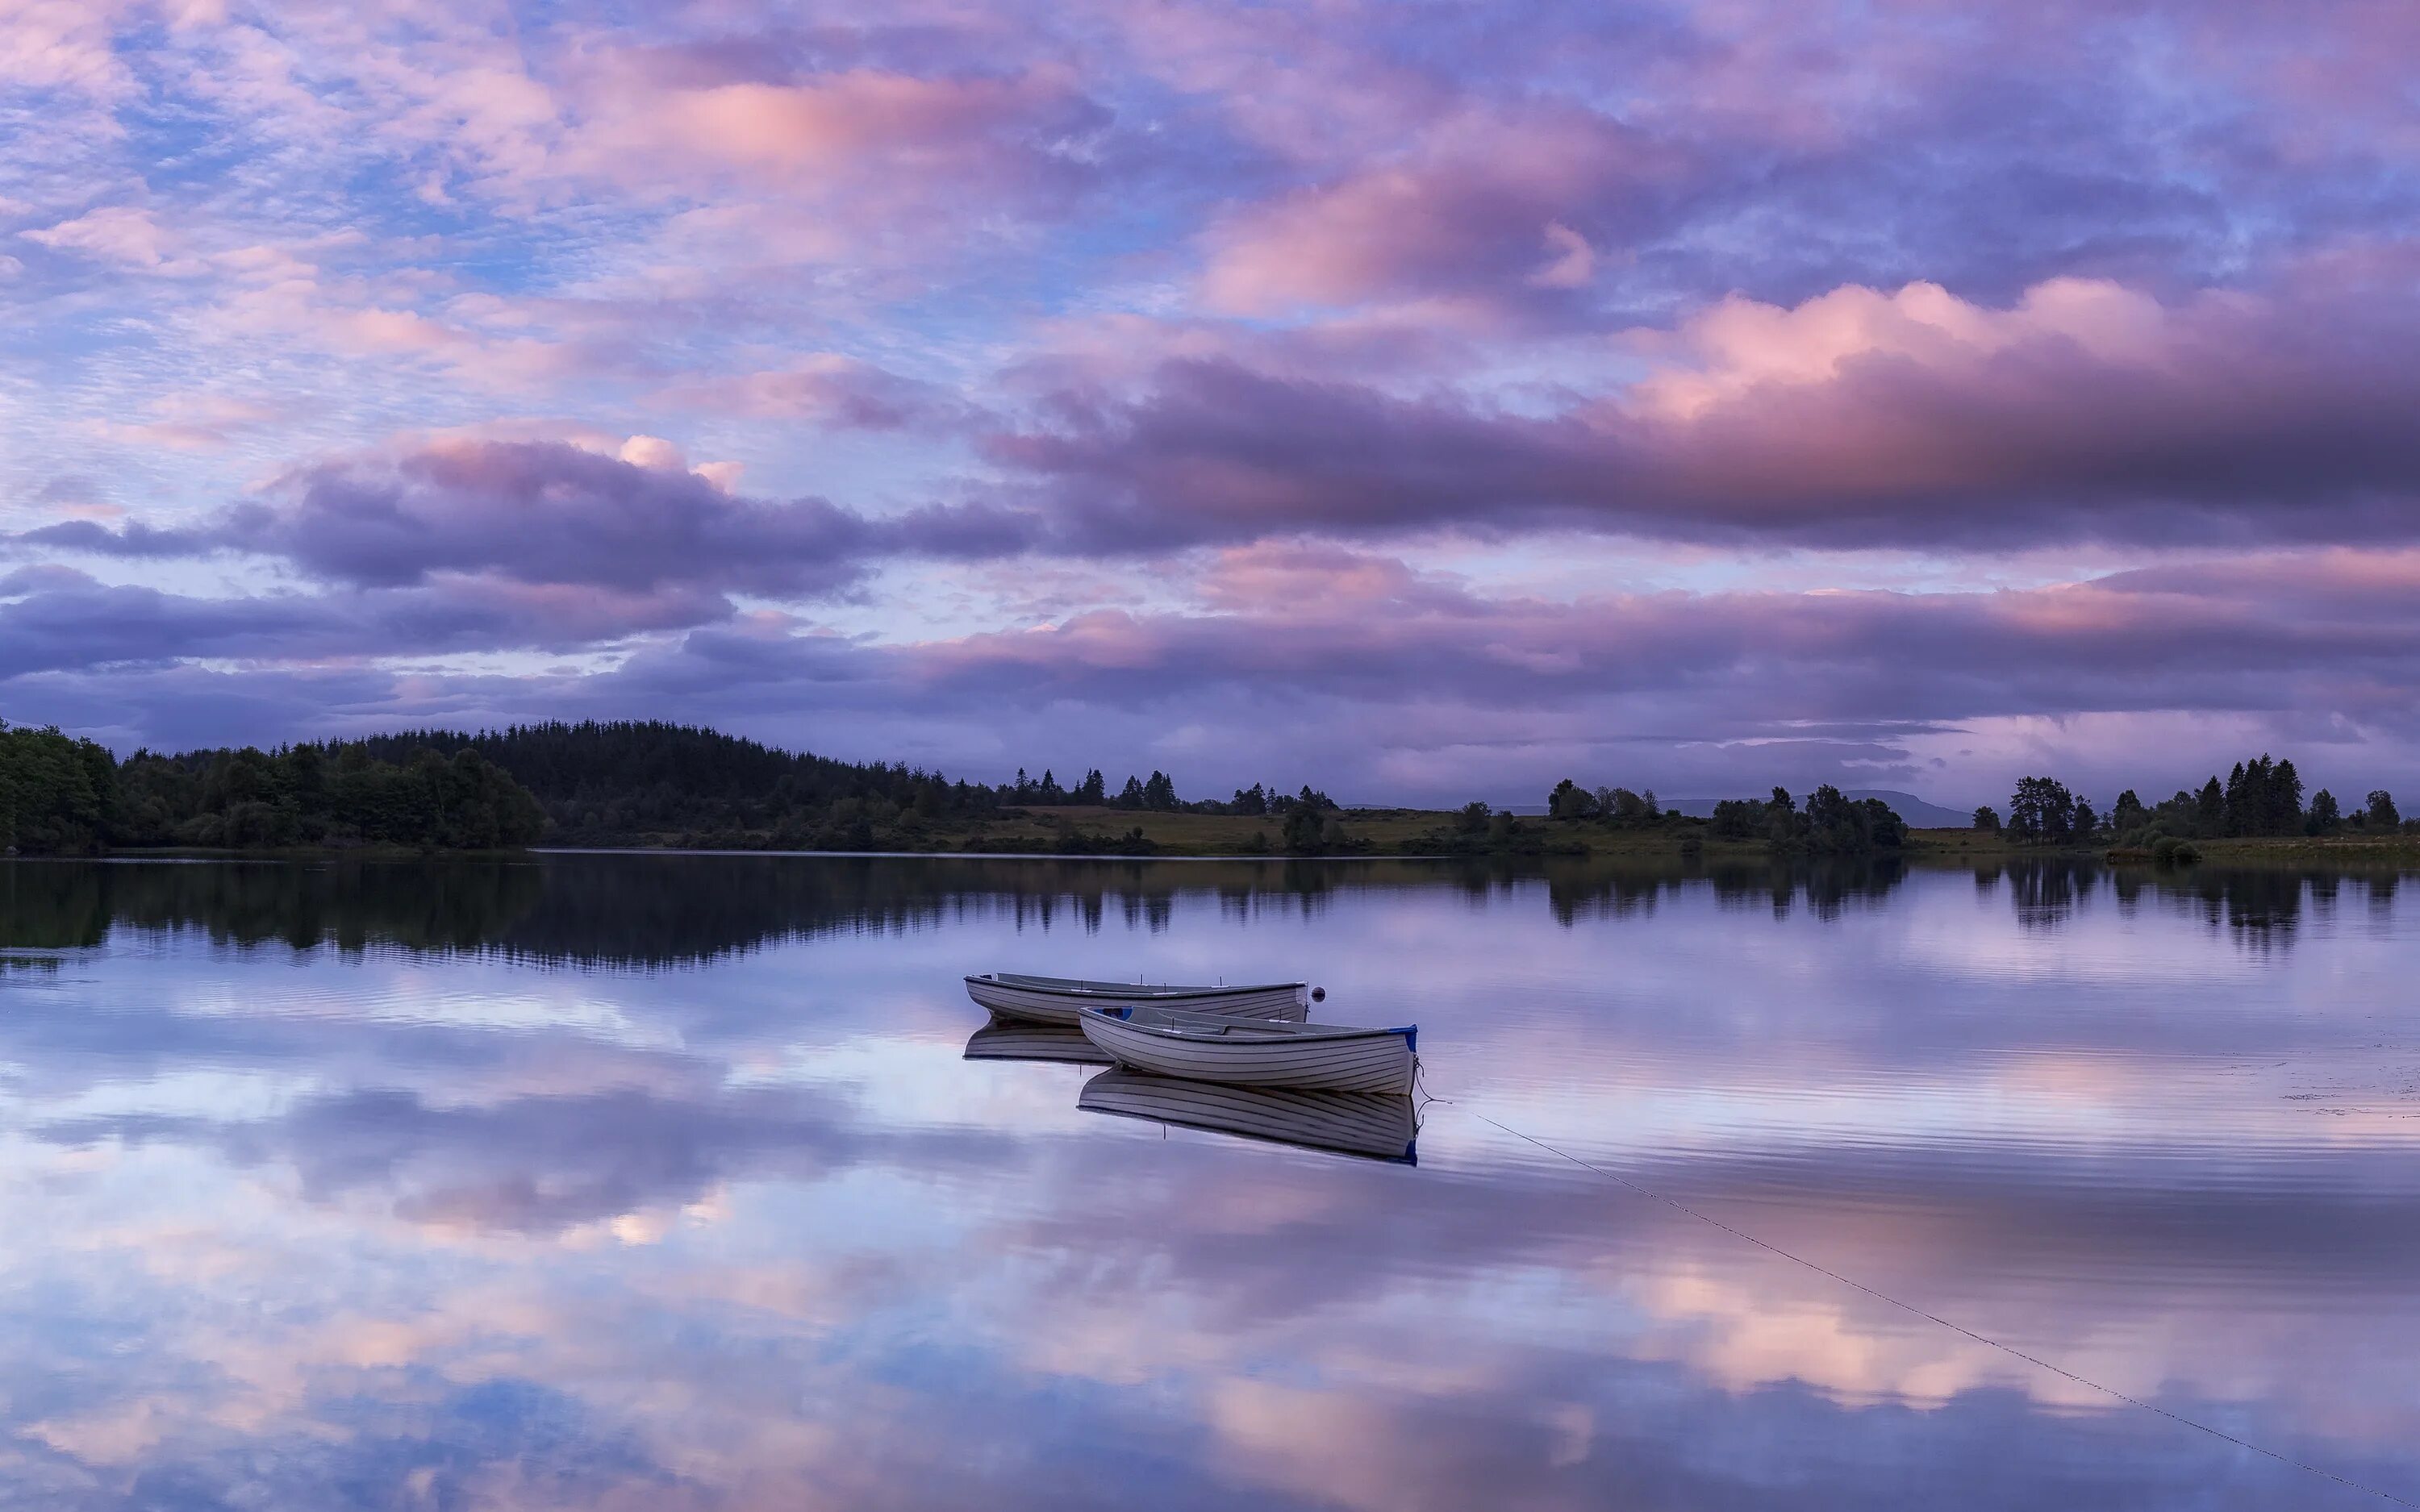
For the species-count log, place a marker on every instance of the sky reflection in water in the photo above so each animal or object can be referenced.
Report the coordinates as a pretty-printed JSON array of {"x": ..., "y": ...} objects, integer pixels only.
[{"x": 667, "y": 1182}]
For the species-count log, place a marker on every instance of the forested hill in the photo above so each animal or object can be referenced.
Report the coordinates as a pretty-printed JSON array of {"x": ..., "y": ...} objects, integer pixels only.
[
  {"x": 62, "y": 795},
  {"x": 632, "y": 781},
  {"x": 647, "y": 782},
  {"x": 623, "y": 783}
]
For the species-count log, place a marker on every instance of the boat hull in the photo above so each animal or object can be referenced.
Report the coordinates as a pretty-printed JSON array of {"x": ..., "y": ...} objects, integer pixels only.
[
  {"x": 1038, "y": 1005},
  {"x": 1378, "y": 1125},
  {"x": 1335, "y": 1060}
]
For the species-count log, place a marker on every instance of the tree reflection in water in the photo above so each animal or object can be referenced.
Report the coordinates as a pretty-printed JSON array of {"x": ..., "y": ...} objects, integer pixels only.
[{"x": 652, "y": 910}]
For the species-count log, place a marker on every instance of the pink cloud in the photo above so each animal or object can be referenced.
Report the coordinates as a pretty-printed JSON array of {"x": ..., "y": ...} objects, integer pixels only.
[
  {"x": 1487, "y": 204},
  {"x": 857, "y": 121},
  {"x": 122, "y": 234},
  {"x": 818, "y": 161},
  {"x": 1726, "y": 353},
  {"x": 1290, "y": 579},
  {"x": 64, "y": 44},
  {"x": 826, "y": 389},
  {"x": 190, "y": 422}
]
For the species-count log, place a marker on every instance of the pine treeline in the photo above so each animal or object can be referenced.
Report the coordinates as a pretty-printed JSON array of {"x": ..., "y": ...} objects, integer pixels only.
[
  {"x": 2257, "y": 798},
  {"x": 56, "y": 795},
  {"x": 633, "y": 782},
  {"x": 2261, "y": 797},
  {"x": 649, "y": 782},
  {"x": 642, "y": 781},
  {"x": 1156, "y": 793},
  {"x": 333, "y": 795},
  {"x": 65, "y": 796},
  {"x": 591, "y": 784}
]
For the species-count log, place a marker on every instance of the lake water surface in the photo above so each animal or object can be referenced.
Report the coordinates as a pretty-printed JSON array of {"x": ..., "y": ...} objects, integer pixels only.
[{"x": 667, "y": 1182}]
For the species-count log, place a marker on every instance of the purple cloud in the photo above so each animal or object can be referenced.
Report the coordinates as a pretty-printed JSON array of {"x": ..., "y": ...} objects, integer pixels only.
[
  {"x": 54, "y": 621},
  {"x": 2085, "y": 412},
  {"x": 828, "y": 389},
  {"x": 135, "y": 540},
  {"x": 1398, "y": 682},
  {"x": 519, "y": 520},
  {"x": 1531, "y": 206},
  {"x": 545, "y": 514}
]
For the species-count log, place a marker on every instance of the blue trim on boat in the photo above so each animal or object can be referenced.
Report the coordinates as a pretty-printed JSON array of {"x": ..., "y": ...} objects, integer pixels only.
[{"x": 1411, "y": 1033}]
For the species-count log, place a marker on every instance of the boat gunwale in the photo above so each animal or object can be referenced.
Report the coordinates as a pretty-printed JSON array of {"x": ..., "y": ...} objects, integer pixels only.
[{"x": 1126, "y": 992}]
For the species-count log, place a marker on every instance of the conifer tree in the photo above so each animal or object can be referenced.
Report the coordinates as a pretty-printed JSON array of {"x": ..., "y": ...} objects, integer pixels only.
[
  {"x": 2284, "y": 800},
  {"x": 2324, "y": 819},
  {"x": 2041, "y": 811},
  {"x": 2127, "y": 813}
]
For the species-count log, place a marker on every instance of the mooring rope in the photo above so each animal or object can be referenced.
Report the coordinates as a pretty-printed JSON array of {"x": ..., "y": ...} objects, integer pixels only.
[{"x": 1911, "y": 1308}]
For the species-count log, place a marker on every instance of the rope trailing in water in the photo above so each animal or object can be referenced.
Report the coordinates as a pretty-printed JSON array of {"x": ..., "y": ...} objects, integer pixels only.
[{"x": 1963, "y": 1332}]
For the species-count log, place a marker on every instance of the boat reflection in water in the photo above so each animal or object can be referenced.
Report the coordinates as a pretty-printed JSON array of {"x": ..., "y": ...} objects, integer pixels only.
[
  {"x": 1380, "y": 1125},
  {"x": 1015, "y": 1039}
]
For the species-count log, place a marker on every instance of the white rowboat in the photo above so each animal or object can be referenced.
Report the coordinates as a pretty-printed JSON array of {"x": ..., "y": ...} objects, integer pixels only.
[
  {"x": 1380, "y": 1125},
  {"x": 1243, "y": 1053},
  {"x": 1063, "y": 999}
]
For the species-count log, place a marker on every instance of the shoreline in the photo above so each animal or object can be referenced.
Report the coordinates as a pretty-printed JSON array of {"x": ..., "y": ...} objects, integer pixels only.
[{"x": 1539, "y": 844}]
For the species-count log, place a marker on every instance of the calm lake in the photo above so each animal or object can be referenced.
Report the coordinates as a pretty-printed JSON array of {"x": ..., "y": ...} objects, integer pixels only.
[{"x": 663, "y": 1181}]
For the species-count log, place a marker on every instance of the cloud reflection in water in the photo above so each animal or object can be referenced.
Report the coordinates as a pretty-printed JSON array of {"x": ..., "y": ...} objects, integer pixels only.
[{"x": 665, "y": 1182}]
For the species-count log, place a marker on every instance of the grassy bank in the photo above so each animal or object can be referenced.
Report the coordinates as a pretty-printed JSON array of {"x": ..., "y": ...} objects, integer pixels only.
[
  {"x": 1072, "y": 829},
  {"x": 1983, "y": 843},
  {"x": 1986, "y": 845},
  {"x": 309, "y": 853},
  {"x": 2309, "y": 848},
  {"x": 1400, "y": 832}
]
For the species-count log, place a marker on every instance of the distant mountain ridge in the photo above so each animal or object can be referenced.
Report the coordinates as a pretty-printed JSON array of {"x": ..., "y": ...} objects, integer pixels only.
[{"x": 1915, "y": 810}]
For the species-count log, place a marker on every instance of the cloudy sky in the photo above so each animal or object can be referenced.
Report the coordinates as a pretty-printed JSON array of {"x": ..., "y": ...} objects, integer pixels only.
[{"x": 1426, "y": 401}]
